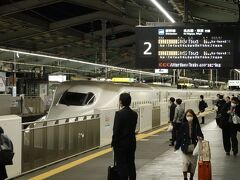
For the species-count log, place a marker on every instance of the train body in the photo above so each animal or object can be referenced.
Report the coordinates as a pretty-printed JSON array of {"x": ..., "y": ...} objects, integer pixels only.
[{"x": 76, "y": 98}]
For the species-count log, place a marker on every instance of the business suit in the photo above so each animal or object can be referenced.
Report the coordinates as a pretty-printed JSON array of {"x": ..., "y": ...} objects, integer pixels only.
[
  {"x": 171, "y": 114},
  {"x": 124, "y": 142},
  {"x": 3, "y": 172},
  {"x": 172, "y": 111},
  {"x": 202, "y": 106}
]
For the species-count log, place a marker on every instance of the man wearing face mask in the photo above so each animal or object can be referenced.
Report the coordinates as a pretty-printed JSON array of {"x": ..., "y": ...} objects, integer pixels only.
[
  {"x": 124, "y": 140},
  {"x": 234, "y": 119}
]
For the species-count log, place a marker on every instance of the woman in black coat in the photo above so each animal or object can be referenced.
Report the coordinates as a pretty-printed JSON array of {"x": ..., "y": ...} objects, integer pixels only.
[
  {"x": 3, "y": 172},
  {"x": 189, "y": 135}
]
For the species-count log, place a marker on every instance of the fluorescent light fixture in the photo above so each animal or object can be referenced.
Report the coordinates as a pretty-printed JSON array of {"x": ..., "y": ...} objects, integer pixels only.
[
  {"x": 159, "y": 6},
  {"x": 81, "y": 62}
]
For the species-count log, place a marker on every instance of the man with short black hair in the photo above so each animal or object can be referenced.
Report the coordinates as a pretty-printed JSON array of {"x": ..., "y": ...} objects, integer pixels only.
[
  {"x": 177, "y": 120},
  {"x": 124, "y": 140},
  {"x": 202, "y": 106},
  {"x": 171, "y": 114}
]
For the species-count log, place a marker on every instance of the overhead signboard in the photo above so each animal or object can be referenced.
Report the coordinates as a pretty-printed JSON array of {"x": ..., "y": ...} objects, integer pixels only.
[{"x": 188, "y": 46}]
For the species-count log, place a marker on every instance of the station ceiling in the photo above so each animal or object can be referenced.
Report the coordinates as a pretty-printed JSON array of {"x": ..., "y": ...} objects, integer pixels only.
[{"x": 73, "y": 28}]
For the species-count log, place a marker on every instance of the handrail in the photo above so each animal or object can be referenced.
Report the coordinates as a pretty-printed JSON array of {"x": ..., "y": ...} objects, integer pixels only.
[
  {"x": 55, "y": 125},
  {"x": 49, "y": 120}
]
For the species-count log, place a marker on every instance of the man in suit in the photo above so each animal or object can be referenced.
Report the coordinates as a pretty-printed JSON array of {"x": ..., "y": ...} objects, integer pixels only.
[
  {"x": 124, "y": 140},
  {"x": 3, "y": 172},
  {"x": 172, "y": 112},
  {"x": 202, "y": 106}
]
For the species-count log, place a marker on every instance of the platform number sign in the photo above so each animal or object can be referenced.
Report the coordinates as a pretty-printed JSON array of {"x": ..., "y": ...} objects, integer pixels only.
[{"x": 148, "y": 46}]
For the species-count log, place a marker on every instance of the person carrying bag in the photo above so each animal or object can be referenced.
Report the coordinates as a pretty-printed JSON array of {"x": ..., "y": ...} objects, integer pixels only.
[
  {"x": 190, "y": 134},
  {"x": 124, "y": 139}
]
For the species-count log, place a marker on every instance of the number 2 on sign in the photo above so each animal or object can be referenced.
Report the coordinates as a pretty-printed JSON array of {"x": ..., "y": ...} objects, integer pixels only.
[{"x": 147, "y": 51}]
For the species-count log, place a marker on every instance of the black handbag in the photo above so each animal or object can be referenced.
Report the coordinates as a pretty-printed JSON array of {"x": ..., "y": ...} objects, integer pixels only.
[
  {"x": 112, "y": 171},
  {"x": 6, "y": 150},
  {"x": 6, "y": 157}
]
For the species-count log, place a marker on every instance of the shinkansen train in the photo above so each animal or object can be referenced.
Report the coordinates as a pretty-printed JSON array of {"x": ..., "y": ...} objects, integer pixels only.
[
  {"x": 76, "y": 98},
  {"x": 79, "y": 98}
]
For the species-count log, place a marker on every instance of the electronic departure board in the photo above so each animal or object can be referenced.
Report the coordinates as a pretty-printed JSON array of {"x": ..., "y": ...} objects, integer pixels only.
[{"x": 188, "y": 46}]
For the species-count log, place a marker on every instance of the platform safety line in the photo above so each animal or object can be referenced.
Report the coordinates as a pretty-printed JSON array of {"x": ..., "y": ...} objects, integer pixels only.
[{"x": 89, "y": 157}]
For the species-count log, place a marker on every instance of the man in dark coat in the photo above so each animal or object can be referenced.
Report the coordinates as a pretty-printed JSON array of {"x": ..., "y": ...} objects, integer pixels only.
[
  {"x": 220, "y": 103},
  {"x": 202, "y": 106},
  {"x": 124, "y": 140},
  {"x": 219, "y": 107},
  {"x": 3, "y": 172},
  {"x": 171, "y": 114}
]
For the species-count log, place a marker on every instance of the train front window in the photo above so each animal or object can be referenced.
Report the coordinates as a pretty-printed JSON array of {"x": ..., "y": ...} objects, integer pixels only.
[
  {"x": 76, "y": 99},
  {"x": 73, "y": 99},
  {"x": 90, "y": 98}
]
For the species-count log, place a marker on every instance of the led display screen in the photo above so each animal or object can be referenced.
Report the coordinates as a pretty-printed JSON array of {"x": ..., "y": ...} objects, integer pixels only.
[{"x": 180, "y": 46}]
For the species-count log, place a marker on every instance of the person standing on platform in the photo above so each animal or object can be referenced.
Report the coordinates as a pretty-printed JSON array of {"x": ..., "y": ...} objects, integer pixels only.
[
  {"x": 225, "y": 125},
  {"x": 177, "y": 120},
  {"x": 219, "y": 106},
  {"x": 234, "y": 119},
  {"x": 220, "y": 103},
  {"x": 190, "y": 133},
  {"x": 172, "y": 112},
  {"x": 202, "y": 106},
  {"x": 124, "y": 140},
  {"x": 3, "y": 172}
]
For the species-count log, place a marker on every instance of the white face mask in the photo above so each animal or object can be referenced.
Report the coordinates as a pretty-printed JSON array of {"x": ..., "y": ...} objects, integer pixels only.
[
  {"x": 189, "y": 118},
  {"x": 233, "y": 105}
]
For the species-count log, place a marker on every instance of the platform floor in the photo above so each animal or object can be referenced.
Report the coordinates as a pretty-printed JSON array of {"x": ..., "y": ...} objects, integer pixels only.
[{"x": 155, "y": 160}]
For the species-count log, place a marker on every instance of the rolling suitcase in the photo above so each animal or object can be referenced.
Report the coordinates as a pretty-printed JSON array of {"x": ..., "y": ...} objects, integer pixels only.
[
  {"x": 204, "y": 170},
  {"x": 204, "y": 162},
  {"x": 112, "y": 171}
]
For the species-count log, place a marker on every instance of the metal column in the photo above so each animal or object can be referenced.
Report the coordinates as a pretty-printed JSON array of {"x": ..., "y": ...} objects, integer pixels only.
[
  {"x": 104, "y": 34},
  {"x": 186, "y": 9},
  {"x": 211, "y": 77},
  {"x": 174, "y": 76},
  {"x": 14, "y": 88}
]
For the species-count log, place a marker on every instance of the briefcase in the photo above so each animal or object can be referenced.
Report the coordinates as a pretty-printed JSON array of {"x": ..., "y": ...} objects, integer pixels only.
[
  {"x": 112, "y": 170},
  {"x": 204, "y": 170},
  {"x": 112, "y": 173}
]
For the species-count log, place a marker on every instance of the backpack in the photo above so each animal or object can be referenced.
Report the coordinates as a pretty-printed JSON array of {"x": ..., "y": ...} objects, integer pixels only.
[{"x": 6, "y": 150}]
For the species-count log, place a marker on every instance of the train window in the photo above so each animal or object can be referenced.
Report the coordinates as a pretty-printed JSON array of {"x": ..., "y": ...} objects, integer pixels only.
[
  {"x": 76, "y": 99},
  {"x": 90, "y": 98},
  {"x": 73, "y": 98}
]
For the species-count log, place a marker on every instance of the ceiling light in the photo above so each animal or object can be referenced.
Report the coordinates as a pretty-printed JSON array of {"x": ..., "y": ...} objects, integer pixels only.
[
  {"x": 163, "y": 10},
  {"x": 80, "y": 62}
]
